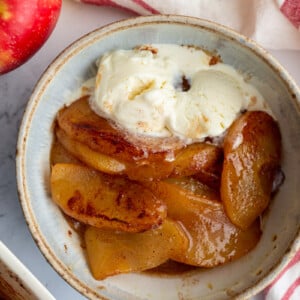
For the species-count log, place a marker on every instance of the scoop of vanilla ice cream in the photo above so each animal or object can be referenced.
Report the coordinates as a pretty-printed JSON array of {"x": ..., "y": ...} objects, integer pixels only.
[
  {"x": 141, "y": 91},
  {"x": 133, "y": 88},
  {"x": 209, "y": 107}
]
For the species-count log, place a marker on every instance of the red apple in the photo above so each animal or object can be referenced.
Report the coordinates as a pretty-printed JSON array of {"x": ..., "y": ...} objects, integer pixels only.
[{"x": 24, "y": 27}]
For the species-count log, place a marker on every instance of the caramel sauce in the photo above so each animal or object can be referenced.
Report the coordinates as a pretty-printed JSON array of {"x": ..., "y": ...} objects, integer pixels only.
[
  {"x": 171, "y": 268},
  {"x": 77, "y": 227}
]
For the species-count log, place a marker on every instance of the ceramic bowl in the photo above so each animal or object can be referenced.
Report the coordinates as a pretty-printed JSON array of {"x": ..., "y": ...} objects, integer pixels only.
[{"x": 242, "y": 278}]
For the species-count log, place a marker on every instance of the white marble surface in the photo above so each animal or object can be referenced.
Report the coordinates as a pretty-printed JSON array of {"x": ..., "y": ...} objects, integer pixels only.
[{"x": 15, "y": 89}]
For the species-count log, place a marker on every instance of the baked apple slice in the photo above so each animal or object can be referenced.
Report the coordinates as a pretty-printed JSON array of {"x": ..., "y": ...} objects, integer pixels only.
[
  {"x": 214, "y": 240},
  {"x": 252, "y": 150},
  {"x": 81, "y": 123},
  {"x": 101, "y": 200},
  {"x": 189, "y": 160},
  {"x": 59, "y": 154},
  {"x": 90, "y": 157},
  {"x": 112, "y": 252},
  {"x": 195, "y": 187},
  {"x": 211, "y": 175},
  {"x": 195, "y": 158}
]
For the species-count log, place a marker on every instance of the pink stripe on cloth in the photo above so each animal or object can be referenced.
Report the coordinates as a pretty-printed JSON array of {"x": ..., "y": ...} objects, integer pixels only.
[
  {"x": 280, "y": 284},
  {"x": 110, "y": 3},
  {"x": 291, "y": 9},
  {"x": 100, "y": 2},
  {"x": 295, "y": 259},
  {"x": 291, "y": 289},
  {"x": 146, "y": 6}
]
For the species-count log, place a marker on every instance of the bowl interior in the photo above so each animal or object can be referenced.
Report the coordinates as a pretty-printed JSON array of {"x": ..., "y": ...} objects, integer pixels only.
[{"x": 49, "y": 227}]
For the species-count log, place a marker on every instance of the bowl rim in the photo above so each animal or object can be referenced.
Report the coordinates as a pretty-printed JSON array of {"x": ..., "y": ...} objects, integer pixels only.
[{"x": 71, "y": 51}]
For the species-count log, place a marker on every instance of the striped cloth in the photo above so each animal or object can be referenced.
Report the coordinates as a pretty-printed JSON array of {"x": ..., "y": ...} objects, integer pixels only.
[
  {"x": 267, "y": 22},
  {"x": 291, "y": 9},
  {"x": 287, "y": 285}
]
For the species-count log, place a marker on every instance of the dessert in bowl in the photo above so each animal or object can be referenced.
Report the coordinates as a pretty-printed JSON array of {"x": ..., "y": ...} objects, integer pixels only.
[{"x": 274, "y": 92}]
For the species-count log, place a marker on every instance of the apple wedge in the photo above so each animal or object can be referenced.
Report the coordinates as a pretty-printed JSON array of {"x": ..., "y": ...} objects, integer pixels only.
[
  {"x": 94, "y": 159},
  {"x": 112, "y": 252},
  {"x": 100, "y": 200},
  {"x": 59, "y": 154},
  {"x": 190, "y": 160},
  {"x": 214, "y": 240},
  {"x": 252, "y": 150}
]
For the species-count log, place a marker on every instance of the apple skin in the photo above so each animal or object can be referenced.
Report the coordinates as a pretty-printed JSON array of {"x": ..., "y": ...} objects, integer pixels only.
[{"x": 25, "y": 25}]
